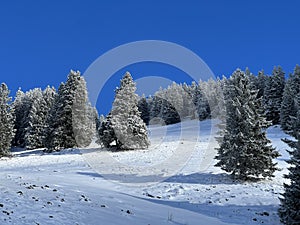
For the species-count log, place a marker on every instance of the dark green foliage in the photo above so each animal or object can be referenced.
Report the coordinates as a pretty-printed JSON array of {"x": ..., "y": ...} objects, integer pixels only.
[
  {"x": 244, "y": 149},
  {"x": 289, "y": 210}
]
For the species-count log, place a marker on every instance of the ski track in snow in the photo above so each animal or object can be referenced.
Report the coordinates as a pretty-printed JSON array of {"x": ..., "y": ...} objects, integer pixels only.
[{"x": 62, "y": 188}]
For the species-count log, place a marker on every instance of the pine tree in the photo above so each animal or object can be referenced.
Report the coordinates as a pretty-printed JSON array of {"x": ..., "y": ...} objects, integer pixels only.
[
  {"x": 244, "y": 149},
  {"x": 129, "y": 128},
  {"x": 273, "y": 95},
  {"x": 289, "y": 210},
  {"x": 288, "y": 107},
  {"x": 7, "y": 121}
]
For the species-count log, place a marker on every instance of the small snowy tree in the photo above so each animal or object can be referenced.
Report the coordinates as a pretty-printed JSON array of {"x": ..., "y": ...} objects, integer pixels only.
[
  {"x": 129, "y": 128},
  {"x": 289, "y": 210},
  {"x": 107, "y": 136},
  {"x": 7, "y": 121},
  {"x": 244, "y": 149}
]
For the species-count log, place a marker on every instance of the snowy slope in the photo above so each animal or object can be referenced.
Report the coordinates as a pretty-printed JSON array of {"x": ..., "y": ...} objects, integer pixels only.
[{"x": 174, "y": 182}]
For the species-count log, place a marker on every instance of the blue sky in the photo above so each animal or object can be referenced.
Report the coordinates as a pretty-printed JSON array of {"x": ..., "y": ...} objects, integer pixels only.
[{"x": 40, "y": 41}]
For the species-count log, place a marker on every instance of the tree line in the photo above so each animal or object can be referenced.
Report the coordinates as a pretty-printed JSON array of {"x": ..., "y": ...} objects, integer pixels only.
[{"x": 246, "y": 105}]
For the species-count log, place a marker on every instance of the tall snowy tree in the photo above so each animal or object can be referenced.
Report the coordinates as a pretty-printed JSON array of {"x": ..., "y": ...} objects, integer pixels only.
[
  {"x": 69, "y": 116},
  {"x": 244, "y": 150},
  {"x": 36, "y": 118},
  {"x": 83, "y": 116},
  {"x": 273, "y": 95},
  {"x": 41, "y": 103},
  {"x": 129, "y": 128},
  {"x": 288, "y": 106},
  {"x": 289, "y": 210},
  {"x": 7, "y": 121},
  {"x": 18, "y": 110}
]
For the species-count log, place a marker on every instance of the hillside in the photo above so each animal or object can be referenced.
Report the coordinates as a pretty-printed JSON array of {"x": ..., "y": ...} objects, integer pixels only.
[{"x": 173, "y": 182}]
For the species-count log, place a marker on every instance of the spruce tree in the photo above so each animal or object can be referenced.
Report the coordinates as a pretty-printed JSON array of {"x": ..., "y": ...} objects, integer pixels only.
[
  {"x": 7, "y": 121},
  {"x": 289, "y": 210},
  {"x": 129, "y": 128},
  {"x": 244, "y": 149},
  {"x": 273, "y": 95}
]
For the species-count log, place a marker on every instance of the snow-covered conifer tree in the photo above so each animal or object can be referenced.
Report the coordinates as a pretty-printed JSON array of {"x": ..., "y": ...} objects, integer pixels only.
[
  {"x": 69, "y": 116},
  {"x": 129, "y": 128},
  {"x": 289, "y": 210},
  {"x": 7, "y": 121},
  {"x": 244, "y": 150},
  {"x": 36, "y": 120},
  {"x": 83, "y": 116},
  {"x": 41, "y": 103},
  {"x": 18, "y": 111},
  {"x": 107, "y": 136}
]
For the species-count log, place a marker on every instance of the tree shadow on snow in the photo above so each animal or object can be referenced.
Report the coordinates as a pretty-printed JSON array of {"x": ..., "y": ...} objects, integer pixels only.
[{"x": 228, "y": 213}]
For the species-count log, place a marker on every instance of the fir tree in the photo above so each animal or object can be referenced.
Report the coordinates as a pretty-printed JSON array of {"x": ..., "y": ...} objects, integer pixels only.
[
  {"x": 129, "y": 128},
  {"x": 273, "y": 95},
  {"x": 244, "y": 149},
  {"x": 7, "y": 121},
  {"x": 289, "y": 210}
]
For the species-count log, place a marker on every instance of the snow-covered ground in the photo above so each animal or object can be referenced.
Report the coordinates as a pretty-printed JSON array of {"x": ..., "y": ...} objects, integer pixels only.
[{"x": 173, "y": 182}]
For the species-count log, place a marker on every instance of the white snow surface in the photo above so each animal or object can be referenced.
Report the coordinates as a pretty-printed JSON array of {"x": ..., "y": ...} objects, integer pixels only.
[{"x": 172, "y": 182}]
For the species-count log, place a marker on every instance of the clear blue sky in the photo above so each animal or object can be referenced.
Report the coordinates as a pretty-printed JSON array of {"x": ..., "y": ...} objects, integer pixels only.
[{"x": 40, "y": 41}]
